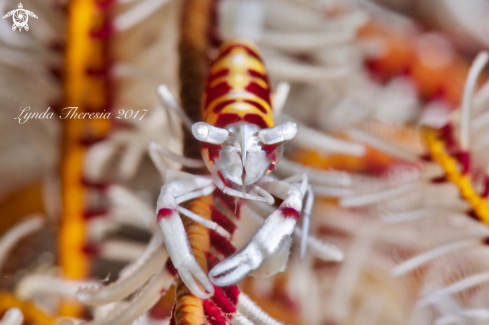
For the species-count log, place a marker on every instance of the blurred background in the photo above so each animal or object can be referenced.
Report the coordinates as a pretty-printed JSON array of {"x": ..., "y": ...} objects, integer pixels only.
[{"x": 392, "y": 102}]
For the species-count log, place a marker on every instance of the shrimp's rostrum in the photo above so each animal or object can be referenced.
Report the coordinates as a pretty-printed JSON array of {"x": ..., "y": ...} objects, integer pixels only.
[{"x": 240, "y": 146}]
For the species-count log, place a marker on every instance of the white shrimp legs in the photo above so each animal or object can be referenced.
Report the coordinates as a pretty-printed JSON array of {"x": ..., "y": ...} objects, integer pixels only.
[
  {"x": 174, "y": 236},
  {"x": 268, "y": 250},
  {"x": 266, "y": 253}
]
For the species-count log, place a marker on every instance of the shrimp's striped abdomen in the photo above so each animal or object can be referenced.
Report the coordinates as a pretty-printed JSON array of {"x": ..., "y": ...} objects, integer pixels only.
[{"x": 237, "y": 89}]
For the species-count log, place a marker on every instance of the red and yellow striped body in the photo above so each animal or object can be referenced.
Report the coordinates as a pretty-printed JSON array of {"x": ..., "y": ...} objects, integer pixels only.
[{"x": 237, "y": 90}]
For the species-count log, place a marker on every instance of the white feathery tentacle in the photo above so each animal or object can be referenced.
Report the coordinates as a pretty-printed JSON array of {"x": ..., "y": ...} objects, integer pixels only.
[
  {"x": 464, "y": 284},
  {"x": 419, "y": 214},
  {"x": 130, "y": 161},
  {"x": 367, "y": 199},
  {"x": 32, "y": 285},
  {"x": 254, "y": 313},
  {"x": 154, "y": 244},
  {"x": 127, "y": 285},
  {"x": 35, "y": 62},
  {"x": 477, "y": 124},
  {"x": 187, "y": 162},
  {"x": 310, "y": 138},
  {"x": 481, "y": 142},
  {"x": 476, "y": 68},
  {"x": 350, "y": 271},
  {"x": 16, "y": 233},
  {"x": 481, "y": 98},
  {"x": 101, "y": 313},
  {"x": 320, "y": 177},
  {"x": 120, "y": 250},
  {"x": 289, "y": 16},
  {"x": 319, "y": 248},
  {"x": 128, "y": 70},
  {"x": 137, "y": 14},
  {"x": 158, "y": 162},
  {"x": 280, "y": 97},
  {"x": 241, "y": 19},
  {"x": 287, "y": 69},
  {"x": 430, "y": 255},
  {"x": 169, "y": 101},
  {"x": 117, "y": 217},
  {"x": 128, "y": 203},
  {"x": 51, "y": 194},
  {"x": 328, "y": 191},
  {"x": 306, "y": 213},
  {"x": 97, "y": 156},
  {"x": 70, "y": 321},
  {"x": 458, "y": 318},
  {"x": 133, "y": 141},
  {"x": 300, "y": 41},
  {"x": 126, "y": 314},
  {"x": 382, "y": 145}
]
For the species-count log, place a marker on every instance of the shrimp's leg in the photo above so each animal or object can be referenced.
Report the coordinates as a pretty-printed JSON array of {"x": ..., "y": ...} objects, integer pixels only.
[
  {"x": 179, "y": 186},
  {"x": 269, "y": 241}
]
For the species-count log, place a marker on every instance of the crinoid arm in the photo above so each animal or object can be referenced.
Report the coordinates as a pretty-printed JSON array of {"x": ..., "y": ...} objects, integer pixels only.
[
  {"x": 156, "y": 151},
  {"x": 279, "y": 98},
  {"x": 131, "y": 278},
  {"x": 169, "y": 101},
  {"x": 16, "y": 233},
  {"x": 315, "y": 140},
  {"x": 271, "y": 242}
]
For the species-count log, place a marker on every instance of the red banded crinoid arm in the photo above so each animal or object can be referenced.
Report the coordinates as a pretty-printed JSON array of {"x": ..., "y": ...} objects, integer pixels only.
[
  {"x": 457, "y": 169},
  {"x": 458, "y": 176}
]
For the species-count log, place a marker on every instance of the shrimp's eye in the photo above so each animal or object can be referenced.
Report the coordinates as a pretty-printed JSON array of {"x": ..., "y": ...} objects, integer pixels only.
[
  {"x": 280, "y": 133},
  {"x": 200, "y": 131},
  {"x": 207, "y": 133}
]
